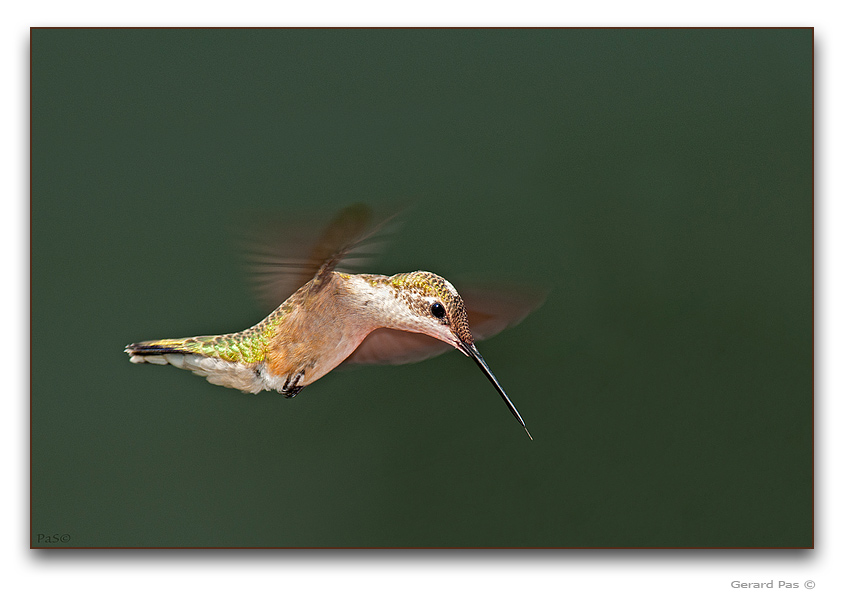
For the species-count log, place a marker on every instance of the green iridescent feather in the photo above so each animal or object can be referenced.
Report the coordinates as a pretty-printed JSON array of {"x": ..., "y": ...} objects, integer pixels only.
[{"x": 246, "y": 347}]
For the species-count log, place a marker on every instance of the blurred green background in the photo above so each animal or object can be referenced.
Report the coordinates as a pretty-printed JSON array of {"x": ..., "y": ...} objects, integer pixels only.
[{"x": 657, "y": 182}]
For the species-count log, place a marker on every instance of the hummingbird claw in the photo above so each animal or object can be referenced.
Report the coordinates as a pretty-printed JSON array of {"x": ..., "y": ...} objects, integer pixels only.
[{"x": 291, "y": 386}]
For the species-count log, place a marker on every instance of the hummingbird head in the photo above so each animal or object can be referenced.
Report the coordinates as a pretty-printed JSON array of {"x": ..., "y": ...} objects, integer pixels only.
[{"x": 433, "y": 306}]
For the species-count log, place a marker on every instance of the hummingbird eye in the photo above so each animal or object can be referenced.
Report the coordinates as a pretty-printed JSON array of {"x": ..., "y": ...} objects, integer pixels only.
[{"x": 438, "y": 310}]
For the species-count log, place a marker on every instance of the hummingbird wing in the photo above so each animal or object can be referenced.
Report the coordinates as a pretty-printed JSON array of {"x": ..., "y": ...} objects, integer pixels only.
[
  {"x": 490, "y": 309},
  {"x": 391, "y": 346},
  {"x": 287, "y": 252}
]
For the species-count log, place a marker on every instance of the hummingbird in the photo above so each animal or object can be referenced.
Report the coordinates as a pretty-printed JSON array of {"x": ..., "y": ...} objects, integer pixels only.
[{"x": 333, "y": 317}]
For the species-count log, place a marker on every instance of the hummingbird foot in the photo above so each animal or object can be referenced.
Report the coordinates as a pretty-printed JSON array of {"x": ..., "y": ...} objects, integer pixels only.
[{"x": 291, "y": 386}]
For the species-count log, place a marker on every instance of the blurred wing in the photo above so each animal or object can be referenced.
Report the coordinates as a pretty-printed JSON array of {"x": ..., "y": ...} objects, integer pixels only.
[
  {"x": 284, "y": 253},
  {"x": 389, "y": 346},
  {"x": 491, "y": 309},
  {"x": 494, "y": 308}
]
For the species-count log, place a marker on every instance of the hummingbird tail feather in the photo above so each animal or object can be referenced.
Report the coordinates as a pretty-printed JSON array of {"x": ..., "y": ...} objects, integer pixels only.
[
  {"x": 217, "y": 371},
  {"x": 163, "y": 351}
]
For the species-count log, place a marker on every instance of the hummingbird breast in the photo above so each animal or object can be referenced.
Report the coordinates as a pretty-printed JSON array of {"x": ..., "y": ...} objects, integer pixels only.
[{"x": 322, "y": 329}]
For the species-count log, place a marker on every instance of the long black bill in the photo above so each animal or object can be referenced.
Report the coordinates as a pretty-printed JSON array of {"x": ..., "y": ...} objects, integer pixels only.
[{"x": 471, "y": 351}]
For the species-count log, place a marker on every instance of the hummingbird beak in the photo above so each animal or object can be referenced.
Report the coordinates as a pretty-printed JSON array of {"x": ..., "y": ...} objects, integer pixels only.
[{"x": 472, "y": 352}]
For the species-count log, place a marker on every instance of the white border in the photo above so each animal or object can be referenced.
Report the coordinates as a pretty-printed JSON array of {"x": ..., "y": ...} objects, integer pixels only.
[{"x": 412, "y": 572}]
